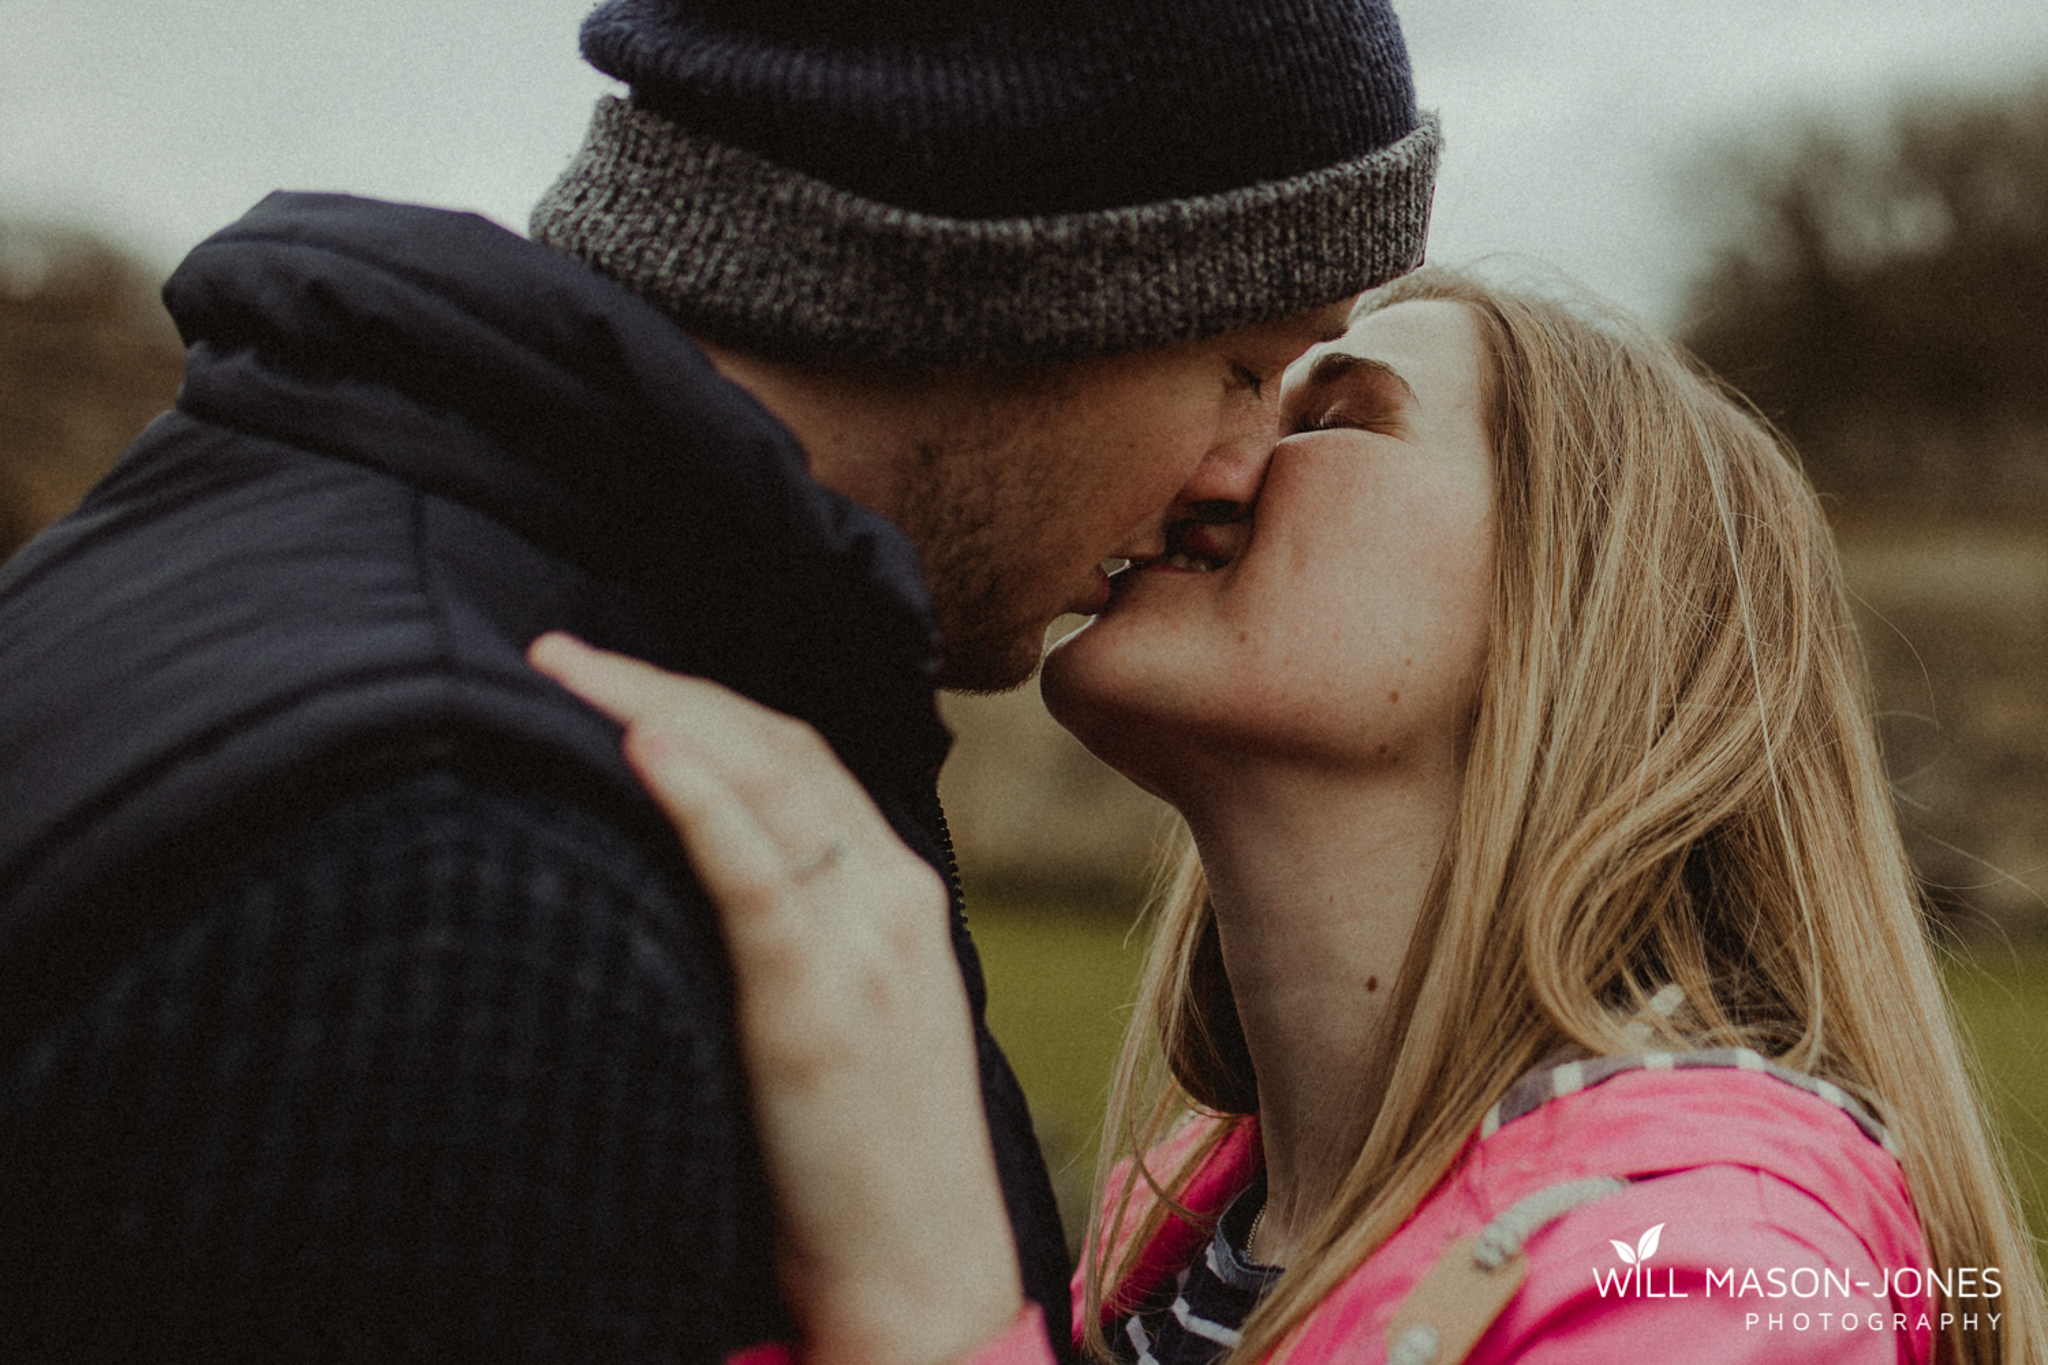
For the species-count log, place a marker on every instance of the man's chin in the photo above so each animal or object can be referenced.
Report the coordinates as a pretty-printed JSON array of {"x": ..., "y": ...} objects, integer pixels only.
[{"x": 984, "y": 666}]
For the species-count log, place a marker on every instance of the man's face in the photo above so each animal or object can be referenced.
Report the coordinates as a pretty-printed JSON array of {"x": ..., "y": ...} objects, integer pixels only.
[{"x": 1019, "y": 491}]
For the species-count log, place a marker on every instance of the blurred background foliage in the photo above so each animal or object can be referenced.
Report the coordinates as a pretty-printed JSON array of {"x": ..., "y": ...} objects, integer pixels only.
[
  {"x": 1883, "y": 295},
  {"x": 1880, "y": 291},
  {"x": 87, "y": 357}
]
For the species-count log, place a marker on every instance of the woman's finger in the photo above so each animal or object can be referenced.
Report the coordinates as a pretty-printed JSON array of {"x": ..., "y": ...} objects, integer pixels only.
[
  {"x": 624, "y": 688},
  {"x": 737, "y": 860}
]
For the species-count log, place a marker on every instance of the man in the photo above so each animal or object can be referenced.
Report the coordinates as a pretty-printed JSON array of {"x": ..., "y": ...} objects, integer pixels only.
[{"x": 359, "y": 1005}]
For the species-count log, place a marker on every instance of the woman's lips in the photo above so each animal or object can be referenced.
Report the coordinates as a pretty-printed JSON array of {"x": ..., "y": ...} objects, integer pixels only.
[
  {"x": 1201, "y": 547},
  {"x": 1192, "y": 547}
]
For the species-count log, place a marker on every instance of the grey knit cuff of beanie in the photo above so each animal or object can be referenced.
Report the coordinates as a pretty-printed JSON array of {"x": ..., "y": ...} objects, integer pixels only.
[{"x": 755, "y": 255}]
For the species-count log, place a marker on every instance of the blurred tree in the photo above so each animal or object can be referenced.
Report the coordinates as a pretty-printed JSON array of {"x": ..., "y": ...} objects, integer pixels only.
[
  {"x": 87, "y": 357},
  {"x": 1885, "y": 298}
]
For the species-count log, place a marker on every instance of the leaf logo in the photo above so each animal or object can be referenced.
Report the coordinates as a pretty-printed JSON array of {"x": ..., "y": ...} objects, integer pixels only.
[{"x": 1643, "y": 1250}]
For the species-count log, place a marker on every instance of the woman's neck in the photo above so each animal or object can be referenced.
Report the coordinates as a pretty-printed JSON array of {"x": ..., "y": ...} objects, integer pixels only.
[{"x": 1318, "y": 880}]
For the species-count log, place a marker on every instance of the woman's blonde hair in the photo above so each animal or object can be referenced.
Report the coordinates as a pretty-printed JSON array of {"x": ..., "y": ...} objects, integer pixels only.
[{"x": 1672, "y": 778}]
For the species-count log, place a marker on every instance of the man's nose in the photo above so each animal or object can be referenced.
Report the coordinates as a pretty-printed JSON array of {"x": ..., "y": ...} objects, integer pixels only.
[{"x": 1226, "y": 483}]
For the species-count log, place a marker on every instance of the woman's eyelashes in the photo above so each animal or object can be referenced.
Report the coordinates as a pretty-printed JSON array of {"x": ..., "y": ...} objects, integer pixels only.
[
  {"x": 1317, "y": 420},
  {"x": 1340, "y": 419}
]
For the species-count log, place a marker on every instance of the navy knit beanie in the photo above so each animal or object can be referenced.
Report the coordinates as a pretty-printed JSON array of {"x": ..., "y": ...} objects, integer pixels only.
[{"x": 917, "y": 182}]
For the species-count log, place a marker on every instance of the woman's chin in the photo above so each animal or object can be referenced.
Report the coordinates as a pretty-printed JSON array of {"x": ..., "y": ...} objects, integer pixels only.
[
  {"x": 1064, "y": 680},
  {"x": 1098, "y": 691},
  {"x": 1082, "y": 685}
]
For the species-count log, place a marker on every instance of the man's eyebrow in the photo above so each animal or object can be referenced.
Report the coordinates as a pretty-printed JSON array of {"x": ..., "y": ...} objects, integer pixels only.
[{"x": 1330, "y": 368}]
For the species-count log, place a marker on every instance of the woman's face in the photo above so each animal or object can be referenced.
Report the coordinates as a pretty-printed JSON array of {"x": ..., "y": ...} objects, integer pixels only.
[{"x": 1346, "y": 622}]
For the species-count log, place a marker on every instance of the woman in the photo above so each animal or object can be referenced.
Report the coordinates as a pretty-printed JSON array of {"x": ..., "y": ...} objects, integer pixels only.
[{"x": 1546, "y": 981}]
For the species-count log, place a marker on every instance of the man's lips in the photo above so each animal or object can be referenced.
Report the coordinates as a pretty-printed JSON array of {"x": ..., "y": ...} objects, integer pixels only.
[{"x": 1095, "y": 597}]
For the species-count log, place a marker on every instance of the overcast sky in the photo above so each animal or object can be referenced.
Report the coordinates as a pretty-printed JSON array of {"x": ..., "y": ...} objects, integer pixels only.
[{"x": 1573, "y": 125}]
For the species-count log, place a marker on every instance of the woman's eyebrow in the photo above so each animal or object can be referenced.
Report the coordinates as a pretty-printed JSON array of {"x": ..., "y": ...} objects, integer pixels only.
[{"x": 1336, "y": 365}]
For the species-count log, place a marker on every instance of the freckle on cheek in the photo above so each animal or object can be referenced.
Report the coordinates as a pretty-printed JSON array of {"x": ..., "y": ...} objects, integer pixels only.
[
  {"x": 1393, "y": 696},
  {"x": 1243, "y": 636},
  {"x": 1372, "y": 983}
]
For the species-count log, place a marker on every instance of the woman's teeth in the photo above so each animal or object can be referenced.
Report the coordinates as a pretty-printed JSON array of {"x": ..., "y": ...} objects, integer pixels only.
[{"x": 1203, "y": 547}]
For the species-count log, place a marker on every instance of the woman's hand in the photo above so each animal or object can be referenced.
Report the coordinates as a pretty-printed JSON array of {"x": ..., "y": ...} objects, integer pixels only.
[{"x": 893, "y": 1243}]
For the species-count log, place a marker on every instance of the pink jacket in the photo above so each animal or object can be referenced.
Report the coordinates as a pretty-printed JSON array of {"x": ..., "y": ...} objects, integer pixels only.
[{"x": 1742, "y": 1218}]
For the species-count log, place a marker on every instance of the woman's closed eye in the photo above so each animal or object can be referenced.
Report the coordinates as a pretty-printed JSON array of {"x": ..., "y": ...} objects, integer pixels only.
[
  {"x": 1338, "y": 417},
  {"x": 1325, "y": 420},
  {"x": 1342, "y": 391}
]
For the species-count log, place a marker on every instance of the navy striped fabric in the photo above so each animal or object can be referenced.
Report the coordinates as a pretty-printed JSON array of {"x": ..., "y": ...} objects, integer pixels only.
[{"x": 1195, "y": 1320}]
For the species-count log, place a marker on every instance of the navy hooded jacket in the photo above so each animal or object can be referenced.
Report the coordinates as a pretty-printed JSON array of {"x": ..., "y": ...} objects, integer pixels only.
[{"x": 357, "y": 1003}]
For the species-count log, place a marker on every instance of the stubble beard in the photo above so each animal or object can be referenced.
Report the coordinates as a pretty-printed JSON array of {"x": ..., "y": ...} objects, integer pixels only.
[{"x": 972, "y": 510}]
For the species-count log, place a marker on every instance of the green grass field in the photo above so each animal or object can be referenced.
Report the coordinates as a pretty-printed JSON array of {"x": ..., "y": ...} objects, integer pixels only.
[
  {"x": 1060, "y": 986},
  {"x": 2001, "y": 998},
  {"x": 1061, "y": 979}
]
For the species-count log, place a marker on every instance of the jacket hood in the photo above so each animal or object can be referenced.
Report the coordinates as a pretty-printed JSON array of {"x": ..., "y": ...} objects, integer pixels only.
[{"x": 432, "y": 345}]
